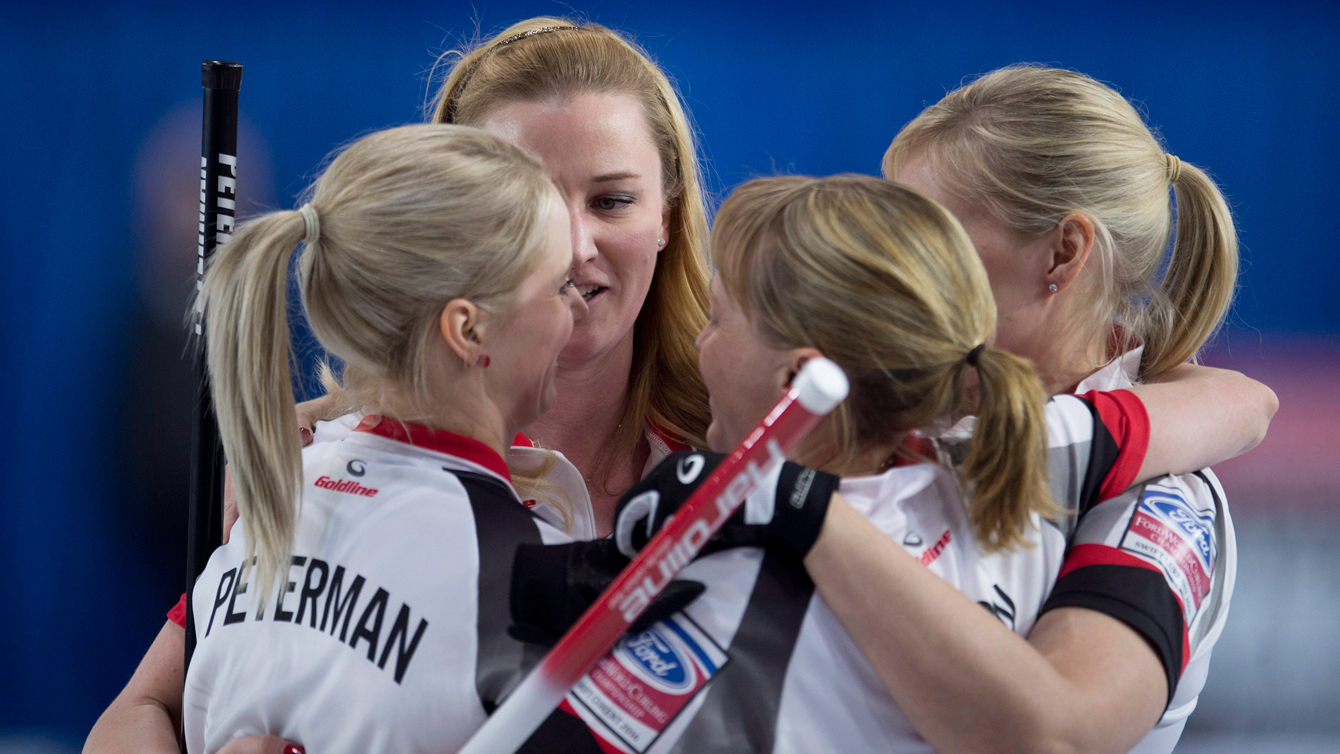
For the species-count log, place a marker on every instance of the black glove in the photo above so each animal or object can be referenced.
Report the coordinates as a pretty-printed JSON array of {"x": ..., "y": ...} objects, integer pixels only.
[
  {"x": 789, "y": 509},
  {"x": 552, "y": 585}
]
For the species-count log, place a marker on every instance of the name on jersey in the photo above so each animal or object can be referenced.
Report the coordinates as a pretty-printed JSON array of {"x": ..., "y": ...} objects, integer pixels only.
[
  {"x": 1170, "y": 533},
  {"x": 324, "y": 592},
  {"x": 343, "y": 485},
  {"x": 635, "y": 691}
]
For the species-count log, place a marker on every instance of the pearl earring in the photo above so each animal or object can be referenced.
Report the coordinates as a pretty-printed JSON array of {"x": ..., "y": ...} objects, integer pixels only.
[
  {"x": 1052, "y": 288},
  {"x": 660, "y": 243}
]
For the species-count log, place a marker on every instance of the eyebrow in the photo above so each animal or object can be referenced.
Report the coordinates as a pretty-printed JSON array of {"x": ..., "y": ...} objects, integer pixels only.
[{"x": 609, "y": 177}]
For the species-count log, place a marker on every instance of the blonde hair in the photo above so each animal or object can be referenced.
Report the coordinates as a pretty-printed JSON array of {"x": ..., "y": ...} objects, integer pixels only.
[
  {"x": 1037, "y": 144},
  {"x": 885, "y": 282},
  {"x": 548, "y": 58},
  {"x": 410, "y": 218}
]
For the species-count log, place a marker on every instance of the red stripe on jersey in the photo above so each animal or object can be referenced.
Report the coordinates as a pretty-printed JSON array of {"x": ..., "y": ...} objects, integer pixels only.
[
  {"x": 452, "y": 444},
  {"x": 1126, "y": 419},
  {"x": 178, "y": 612},
  {"x": 1092, "y": 554}
]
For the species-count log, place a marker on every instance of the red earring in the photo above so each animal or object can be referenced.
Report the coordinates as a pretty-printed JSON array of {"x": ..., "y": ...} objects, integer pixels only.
[{"x": 483, "y": 361}]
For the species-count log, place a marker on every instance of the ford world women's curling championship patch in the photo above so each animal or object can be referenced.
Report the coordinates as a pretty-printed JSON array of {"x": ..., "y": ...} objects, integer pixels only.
[
  {"x": 1170, "y": 533},
  {"x": 635, "y": 691}
]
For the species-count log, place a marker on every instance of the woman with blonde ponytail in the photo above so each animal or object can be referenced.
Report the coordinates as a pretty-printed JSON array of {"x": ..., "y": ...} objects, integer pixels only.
[
  {"x": 358, "y": 607},
  {"x": 1064, "y": 192},
  {"x": 611, "y": 130},
  {"x": 885, "y": 282}
]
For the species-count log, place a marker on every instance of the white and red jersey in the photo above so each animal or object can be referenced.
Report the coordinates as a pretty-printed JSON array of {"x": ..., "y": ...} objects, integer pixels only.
[
  {"x": 759, "y": 663},
  {"x": 1161, "y": 558},
  {"x": 389, "y": 630},
  {"x": 568, "y": 505}
]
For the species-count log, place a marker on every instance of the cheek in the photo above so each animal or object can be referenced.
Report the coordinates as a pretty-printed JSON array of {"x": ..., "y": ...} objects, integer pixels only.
[{"x": 631, "y": 253}]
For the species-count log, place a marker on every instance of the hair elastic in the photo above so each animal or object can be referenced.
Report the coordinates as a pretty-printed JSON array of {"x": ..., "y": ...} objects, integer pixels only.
[
  {"x": 975, "y": 355},
  {"x": 311, "y": 225},
  {"x": 1174, "y": 167}
]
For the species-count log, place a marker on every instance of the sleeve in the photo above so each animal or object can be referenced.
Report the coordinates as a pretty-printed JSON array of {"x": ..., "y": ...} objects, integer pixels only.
[
  {"x": 1096, "y": 444},
  {"x": 1148, "y": 557},
  {"x": 178, "y": 612}
]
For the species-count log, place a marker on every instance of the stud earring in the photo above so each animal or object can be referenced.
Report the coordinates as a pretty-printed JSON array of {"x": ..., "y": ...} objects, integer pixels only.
[
  {"x": 483, "y": 361},
  {"x": 1052, "y": 288},
  {"x": 660, "y": 243}
]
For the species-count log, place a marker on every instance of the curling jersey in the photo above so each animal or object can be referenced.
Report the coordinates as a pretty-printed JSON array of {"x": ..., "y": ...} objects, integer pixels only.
[
  {"x": 759, "y": 663},
  {"x": 389, "y": 631},
  {"x": 568, "y": 506},
  {"x": 1162, "y": 558}
]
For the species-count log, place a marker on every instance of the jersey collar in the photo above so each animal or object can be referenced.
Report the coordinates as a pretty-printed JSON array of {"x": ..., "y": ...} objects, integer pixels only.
[{"x": 438, "y": 440}]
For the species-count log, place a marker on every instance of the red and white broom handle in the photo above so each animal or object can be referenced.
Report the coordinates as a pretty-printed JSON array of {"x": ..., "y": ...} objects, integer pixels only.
[{"x": 815, "y": 392}]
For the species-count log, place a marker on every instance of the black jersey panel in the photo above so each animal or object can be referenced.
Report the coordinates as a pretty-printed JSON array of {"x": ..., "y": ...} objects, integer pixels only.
[
  {"x": 561, "y": 733},
  {"x": 1138, "y": 597},
  {"x": 1103, "y": 454},
  {"x": 740, "y": 711},
  {"x": 501, "y": 524}
]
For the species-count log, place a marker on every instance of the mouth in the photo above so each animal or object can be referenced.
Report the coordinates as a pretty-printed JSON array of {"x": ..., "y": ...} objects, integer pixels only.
[{"x": 590, "y": 291}]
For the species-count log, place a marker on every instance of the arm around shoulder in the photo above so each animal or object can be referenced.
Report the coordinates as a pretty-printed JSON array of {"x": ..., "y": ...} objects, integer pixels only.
[
  {"x": 1081, "y": 682},
  {"x": 146, "y": 716},
  {"x": 1200, "y": 416}
]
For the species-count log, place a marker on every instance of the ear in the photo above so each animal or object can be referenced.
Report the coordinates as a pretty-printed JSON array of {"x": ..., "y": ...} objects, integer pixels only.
[
  {"x": 1069, "y": 247},
  {"x": 665, "y": 229},
  {"x": 462, "y": 328},
  {"x": 795, "y": 359}
]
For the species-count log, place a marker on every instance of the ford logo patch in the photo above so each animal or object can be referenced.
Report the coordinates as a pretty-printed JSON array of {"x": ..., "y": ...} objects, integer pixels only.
[{"x": 652, "y": 657}]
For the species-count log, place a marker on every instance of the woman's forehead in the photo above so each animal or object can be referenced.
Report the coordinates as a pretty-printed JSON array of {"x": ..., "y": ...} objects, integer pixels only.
[{"x": 601, "y": 138}]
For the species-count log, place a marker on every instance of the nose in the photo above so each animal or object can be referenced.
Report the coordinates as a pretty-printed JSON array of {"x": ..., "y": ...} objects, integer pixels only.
[{"x": 583, "y": 245}]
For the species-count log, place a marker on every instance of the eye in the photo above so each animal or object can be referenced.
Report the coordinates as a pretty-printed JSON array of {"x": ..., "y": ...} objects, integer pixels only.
[
  {"x": 567, "y": 285},
  {"x": 611, "y": 203}
]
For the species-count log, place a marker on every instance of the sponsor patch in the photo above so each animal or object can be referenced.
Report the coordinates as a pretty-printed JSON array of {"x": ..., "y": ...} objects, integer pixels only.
[
  {"x": 347, "y": 486},
  {"x": 633, "y": 694},
  {"x": 932, "y": 553},
  {"x": 1170, "y": 533}
]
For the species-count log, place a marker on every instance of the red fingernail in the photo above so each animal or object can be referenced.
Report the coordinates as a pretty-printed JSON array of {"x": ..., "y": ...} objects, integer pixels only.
[{"x": 294, "y": 748}]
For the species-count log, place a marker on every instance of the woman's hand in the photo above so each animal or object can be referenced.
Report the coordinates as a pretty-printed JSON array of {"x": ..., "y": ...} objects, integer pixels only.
[
  {"x": 261, "y": 744},
  {"x": 309, "y": 413}
]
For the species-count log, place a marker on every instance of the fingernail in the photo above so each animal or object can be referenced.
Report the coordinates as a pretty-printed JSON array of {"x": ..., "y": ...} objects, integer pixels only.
[
  {"x": 294, "y": 749},
  {"x": 306, "y": 435}
]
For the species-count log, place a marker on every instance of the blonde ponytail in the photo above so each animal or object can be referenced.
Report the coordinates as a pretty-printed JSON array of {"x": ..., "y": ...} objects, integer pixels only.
[
  {"x": 885, "y": 282},
  {"x": 246, "y": 330},
  {"x": 1006, "y": 463},
  {"x": 1034, "y": 145},
  {"x": 409, "y": 219},
  {"x": 1198, "y": 285}
]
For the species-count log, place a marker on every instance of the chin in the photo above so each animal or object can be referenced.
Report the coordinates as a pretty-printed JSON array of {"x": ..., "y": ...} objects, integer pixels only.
[
  {"x": 589, "y": 340},
  {"x": 715, "y": 441}
]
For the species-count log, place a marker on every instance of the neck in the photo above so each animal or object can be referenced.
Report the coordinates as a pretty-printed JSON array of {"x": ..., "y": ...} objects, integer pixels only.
[
  {"x": 1062, "y": 353},
  {"x": 590, "y": 402},
  {"x": 819, "y": 451},
  {"x": 467, "y": 411}
]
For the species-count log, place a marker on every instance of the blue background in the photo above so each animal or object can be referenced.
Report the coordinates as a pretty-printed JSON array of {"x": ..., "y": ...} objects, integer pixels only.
[{"x": 1250, "y": 91}]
